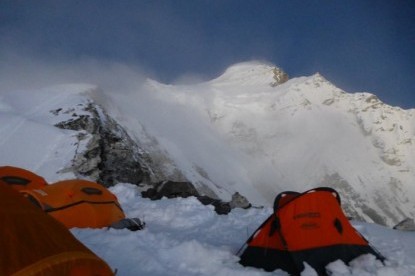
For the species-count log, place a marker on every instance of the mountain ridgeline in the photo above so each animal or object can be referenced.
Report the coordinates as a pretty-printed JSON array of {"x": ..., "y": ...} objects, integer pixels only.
[{"x": 251, "y": 131}]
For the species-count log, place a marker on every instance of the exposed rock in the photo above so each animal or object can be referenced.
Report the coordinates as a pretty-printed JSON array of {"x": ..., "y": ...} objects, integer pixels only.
[
  {"x": 222, "y": 208},
  {"x": 172, "y": 189},
  {"x": 108, "y": 154},
  {"x": 80, "y": 122},
  {"x": 407, "y": 224},
  {"x": 279, "y": 76},
  {"x": 239, "y": 201},
  {"x": 132, "y": 224}
]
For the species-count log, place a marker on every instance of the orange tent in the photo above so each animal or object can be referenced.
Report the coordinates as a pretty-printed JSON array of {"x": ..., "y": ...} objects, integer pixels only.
[
  {"x": 305, "y": 227},
  {"x": 20, "y": 179},
  {"x": 78, "y": 203},
  {"x": 33, "y": 243}
]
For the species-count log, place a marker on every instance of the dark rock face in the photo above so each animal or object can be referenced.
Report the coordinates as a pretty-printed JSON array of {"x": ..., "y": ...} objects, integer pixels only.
[
  {"x": 407, "y": 224},
  {"x": 172, "y": 189},
  {"x": 222, "y": 208},
  {"x": 111, "y": 156},
  {"x": 120, "y": 162},
  {"x": 279, "y": 76}
]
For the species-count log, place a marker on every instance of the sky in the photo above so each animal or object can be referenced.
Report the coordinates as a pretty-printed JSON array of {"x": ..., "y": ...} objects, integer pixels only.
[{"x": 360, "y": 46}]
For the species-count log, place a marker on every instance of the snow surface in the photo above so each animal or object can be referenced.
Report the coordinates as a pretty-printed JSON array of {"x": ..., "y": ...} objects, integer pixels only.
[
  {"x": 233, "y": 131},
  {"x": 184, "y": 237}
]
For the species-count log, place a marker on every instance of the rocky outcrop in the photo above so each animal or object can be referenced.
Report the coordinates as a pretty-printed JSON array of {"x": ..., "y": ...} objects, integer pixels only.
[
  {"x": 407, "y": 224},
  {"x": 172, "y": 189},
  {"x": 105, "y": 153},
  {"x": 279, "y": 76}
]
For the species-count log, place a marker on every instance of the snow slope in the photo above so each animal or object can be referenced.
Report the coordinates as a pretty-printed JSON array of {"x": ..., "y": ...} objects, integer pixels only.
[
  {"x": 28, "y": 138},
  {"x": 183, "y": 237}
]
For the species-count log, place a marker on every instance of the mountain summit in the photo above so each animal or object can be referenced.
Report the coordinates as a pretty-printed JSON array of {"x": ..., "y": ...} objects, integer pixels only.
[
  {"x": 251, "y": 130},
  {"x": 252, "y": 73}
]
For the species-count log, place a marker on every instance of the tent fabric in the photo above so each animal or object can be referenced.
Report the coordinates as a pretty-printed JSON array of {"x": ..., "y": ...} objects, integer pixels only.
[
  {"x": 33, "y": 243},
  {"x": 78, "y": 203},
  {"x": 20, "y": 179},
  {"x": 308, "y": 227},
  {"x": 283, "y": 198}
]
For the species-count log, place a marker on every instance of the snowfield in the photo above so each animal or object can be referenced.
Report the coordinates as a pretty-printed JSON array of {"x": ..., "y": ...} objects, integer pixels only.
[{"x": 184, "y": 237}]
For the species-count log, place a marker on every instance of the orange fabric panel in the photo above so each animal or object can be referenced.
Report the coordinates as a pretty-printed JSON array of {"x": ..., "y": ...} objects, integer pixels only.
[
  {"x": 73, "y": 263},
  {"x": 66, "y": 192},
  {"x": 286, "y": 198},
  {"x": 309, "y": 222},
  {"x": 86, "y": 215},
  {"x": 30, "y": 238},
  {"x": 262, "y": 237},
  {"x": 34, "y": 181},
  {"x": 67, "y": 202}
]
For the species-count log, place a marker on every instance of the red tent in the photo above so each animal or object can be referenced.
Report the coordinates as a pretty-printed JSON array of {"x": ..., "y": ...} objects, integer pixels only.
[{"x": 305, "y": 227}]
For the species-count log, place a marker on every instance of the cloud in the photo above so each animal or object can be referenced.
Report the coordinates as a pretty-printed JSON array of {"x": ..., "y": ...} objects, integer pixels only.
[{"x": 22, "y": 71}]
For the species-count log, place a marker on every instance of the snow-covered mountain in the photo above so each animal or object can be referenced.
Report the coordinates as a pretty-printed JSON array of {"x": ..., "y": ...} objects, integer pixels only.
[{"x": 251, "y": 130}]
